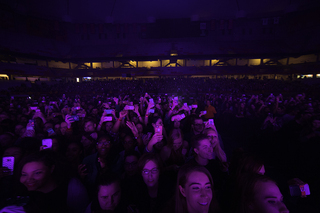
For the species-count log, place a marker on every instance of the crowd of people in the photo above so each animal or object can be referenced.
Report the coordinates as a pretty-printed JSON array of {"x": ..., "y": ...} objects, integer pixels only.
[{"x": 161, "y": 145}]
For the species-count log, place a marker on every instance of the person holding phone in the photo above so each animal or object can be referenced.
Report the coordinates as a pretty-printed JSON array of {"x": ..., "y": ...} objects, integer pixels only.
[{"x": 156, "y": 142}]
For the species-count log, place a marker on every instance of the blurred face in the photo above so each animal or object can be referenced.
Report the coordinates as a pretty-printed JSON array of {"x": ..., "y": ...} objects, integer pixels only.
[
  {"x": 128, "y": 143},
  {"x": 198, "y": 192},
  {"x": 198, "y": 125},
  {"x": 103, "y": 146},
  {"x": 57, "y": 128},
  {"x": 176, "y": 124},
  {"x": 89, "y": 127},
  {"x": 158, "y": 123},
  {"x": 208, "y": 103},
  {"x": 267, "y": 199},
  {"x": 63, "y": 128},
  {"x": 204, "y": 150},
  {"x": 109, "y": 126},
  {"x": 139, "y": 128},
  {"x": 213, "y": 137},
  {"x": 48, "y": 126},
  {"x": 177, "y": 143},
  {"x": 150, "y": 174},
  {"x": 55, "y": 145},
  {"x": 86, "y": 142},
  {"x": 109, "y": 196},
  {"x": 316, "y": 124},
  {"x": 131, "y": 165},
  {"x": 95, "y": 111},
  {"x": 73, "y": 152},
  {"x": 35, "y": 176},
  {"x": 19, "y": 130},
  {"x": 135, "y": 119}
]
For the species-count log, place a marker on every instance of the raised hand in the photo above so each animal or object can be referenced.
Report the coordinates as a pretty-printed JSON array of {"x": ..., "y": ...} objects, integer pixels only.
[
  {"x": 133, "y": 128},
  {"x": 156, "y": 138},
  {"x": 116, "y": 100},
  {"x": 123, "y": 114},
  {"x": 82, "y": 171},
  {"x": 102, "y": 162}
]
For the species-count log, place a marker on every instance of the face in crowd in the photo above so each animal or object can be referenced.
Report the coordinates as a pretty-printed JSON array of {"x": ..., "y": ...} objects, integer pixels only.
[
  {"x": 109, "y": 126},
  {"x": 89, "y": 126},
  {"x": 197, "y": 192},
  {"x": 205, "y": 149},
  {"x": 139, "y": 128},
  {"x": 177, "y": 143},
  {"x": 128, "y": 143},
  {"x": 109, "y": 196},
  {"x": 198, "y": 126},
  {"x": 103, "y": 146},
  {"x": 63, "y": 127},
  {"x": 150, "y": 174},
  {"x": 131, "y": 165},
  {"x": 73, "y": 152},
  {"x": 36, "y": 176},
  {"x": 213, "y": 137},
  {"x": 267, "y": 199}
]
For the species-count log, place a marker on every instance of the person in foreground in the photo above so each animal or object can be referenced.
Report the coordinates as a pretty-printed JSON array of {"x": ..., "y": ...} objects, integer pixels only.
[
  {"x": 194, "y": 191},
  {"x": 259, "y": 194}
]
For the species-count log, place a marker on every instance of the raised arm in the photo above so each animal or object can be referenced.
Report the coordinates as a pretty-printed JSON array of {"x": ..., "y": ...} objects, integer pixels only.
[{"x": 116, "y": 126}]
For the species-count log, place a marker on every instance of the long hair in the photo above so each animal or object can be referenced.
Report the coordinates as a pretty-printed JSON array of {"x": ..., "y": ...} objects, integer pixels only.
[
  {"x": 243, "y": 162},
  {"x": 150, "y": 156},
  {"x": 183, "y": 175},
  {"x": 218, "y": 150},
  {"x": 245, "y": 190}
]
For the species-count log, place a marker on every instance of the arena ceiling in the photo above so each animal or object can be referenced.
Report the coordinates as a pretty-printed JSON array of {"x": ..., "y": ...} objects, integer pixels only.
[{"x": 141, "y": 11}]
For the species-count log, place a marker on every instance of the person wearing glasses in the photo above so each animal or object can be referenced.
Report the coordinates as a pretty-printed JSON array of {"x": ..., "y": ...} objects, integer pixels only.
[
  {"x": 102, "y": 161},
  {"x": 197, "y": 127},
  {"x": 153, "y": 190}
]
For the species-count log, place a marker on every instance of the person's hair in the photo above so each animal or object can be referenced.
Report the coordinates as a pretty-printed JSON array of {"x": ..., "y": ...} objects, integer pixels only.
[
  {"x": 105, "y": 136},
  {"x": 196, "y": 118},
  {"x": 154, "y": 119},
  {"x": 150, "y": 156},
  {"x": 219, "y": 152},
  {"x": 174, "y": 134},
  {"x": 104, "y": 179},
  {"x": 244, "y": 162},
  {"x": 89, "y": 119},
  {"x": 80, "y": 145},
  {"x": 197, "y": 138},
  {"x": 131, "y": 153},
  {"x": 183, "y": 175},
  {"x": 48, "y": 158},
  {"x": 245, "y": 190}
]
